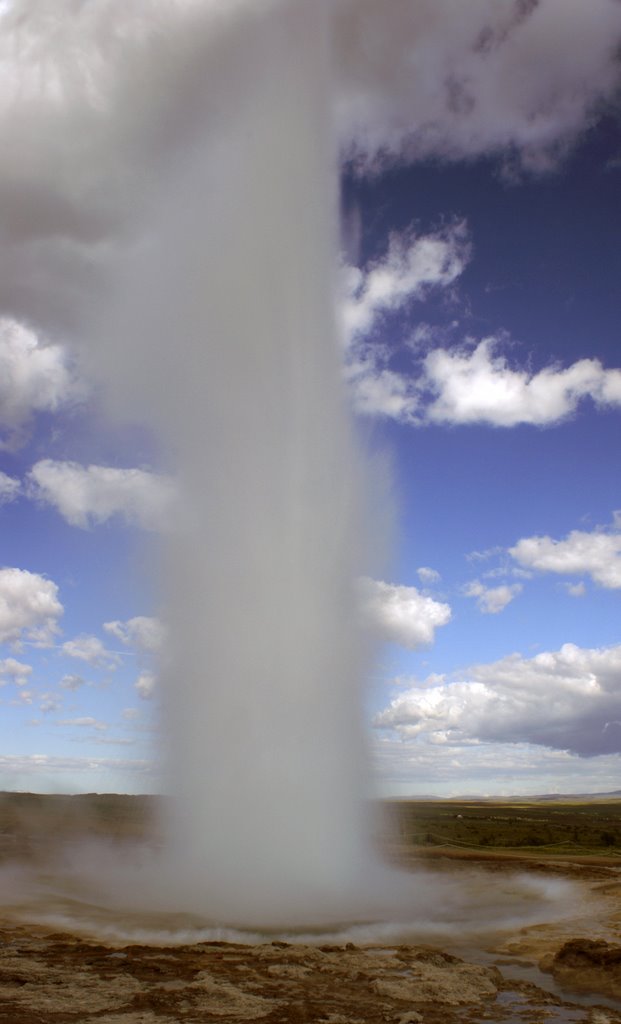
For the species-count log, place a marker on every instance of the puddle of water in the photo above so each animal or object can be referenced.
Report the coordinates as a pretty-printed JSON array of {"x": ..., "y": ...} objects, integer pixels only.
[{"x": 521, "y": 1011}]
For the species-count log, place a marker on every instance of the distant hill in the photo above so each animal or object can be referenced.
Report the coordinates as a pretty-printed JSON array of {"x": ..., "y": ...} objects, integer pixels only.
[{"x": 515, "y": 799}]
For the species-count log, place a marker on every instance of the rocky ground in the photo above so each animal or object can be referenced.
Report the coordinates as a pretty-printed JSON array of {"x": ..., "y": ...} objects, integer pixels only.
[
  {"x": 59, "y": 978},
  {"x": 53, "y": 977}
]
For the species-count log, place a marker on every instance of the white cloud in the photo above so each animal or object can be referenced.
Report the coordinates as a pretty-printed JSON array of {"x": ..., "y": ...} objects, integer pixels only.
[
  {"x": 401, "y": 615},
  {"x": 9, "y": 488},
  {"x": 411, "y": 267},
  {"x": 91, "y": 650},
  {"x": 83, "y": 723},
  {"x": 487, "y": 769},
  {"x": 576, "y": 589},
  {"x": 492, "y": 600},
  {"x": 50, "y": 702},
  {"x": 427, "y": 575},
  {"x": 596, "y": 554},
  {"x": 48, "y": 774},
  {"x": 568, "y": 700},
  {"x": 478, "y": 386},
  {"x": 142, "y": 632},
  {"x": 452, "y": 80},
  {"x": 29, "y": 607},
  {"x": 14, "y": 670},
  {"x": 145, "y": 684},
  {"x": 377, "y": 391},
  {"x": 72, "y": 682},
  {"x": 33, "y": 378},
  {"x": 85, "y": 495},
  {"x": 472, "y": 384}
]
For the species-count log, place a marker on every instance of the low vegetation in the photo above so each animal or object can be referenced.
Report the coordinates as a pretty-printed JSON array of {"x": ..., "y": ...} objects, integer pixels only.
[{"x": 555, "y": 827}]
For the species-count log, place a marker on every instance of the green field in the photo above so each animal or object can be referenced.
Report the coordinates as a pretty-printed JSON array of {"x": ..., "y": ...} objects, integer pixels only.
[{"x": 559, "y": 828}]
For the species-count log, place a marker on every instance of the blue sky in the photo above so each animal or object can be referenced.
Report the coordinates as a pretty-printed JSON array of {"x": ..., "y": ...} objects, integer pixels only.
[
  {"x": 480, "y": 326},
  {"x": 539, "y": 279}
]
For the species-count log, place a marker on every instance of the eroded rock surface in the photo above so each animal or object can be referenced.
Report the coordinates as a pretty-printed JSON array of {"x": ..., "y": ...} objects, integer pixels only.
[{"x": 61, "y": 979}]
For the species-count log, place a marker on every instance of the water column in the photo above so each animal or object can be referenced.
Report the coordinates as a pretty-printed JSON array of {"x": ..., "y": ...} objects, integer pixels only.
[{"x": 262, "y": 700}]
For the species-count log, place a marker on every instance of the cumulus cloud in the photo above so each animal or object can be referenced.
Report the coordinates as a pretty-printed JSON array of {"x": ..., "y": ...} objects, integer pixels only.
[
  {"x": 448, "y": 80},
  {"x": 401, "y": 615},
  {"x": 91, "y": 650},
  {"x": 15, "y": 671},
  {"x": 411, "y": 267},
  {"x": 427, "y": 575},
  {"x": 145, "y": 685},
  {"x": 34, "y": 377},
  {"x": 29, "y": 607},
  {"x": 72, "y": 682},
  {"x": 50, "y": 702},
  {"x": 9, "y": 488},
  {"x": 142, "y": 632},
  {"x": 568, "y": 700},
  {"x": 596, "y": 554},
  {"x": 377, "y": 391},
  {"x": 477, "y": 385},
  {"x": 492, "y": 600},
  {"x": 88, "y": 495}
]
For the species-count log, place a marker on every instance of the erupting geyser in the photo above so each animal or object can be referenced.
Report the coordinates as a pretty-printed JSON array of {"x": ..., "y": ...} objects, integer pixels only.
[{"x": 262, "y": 700}]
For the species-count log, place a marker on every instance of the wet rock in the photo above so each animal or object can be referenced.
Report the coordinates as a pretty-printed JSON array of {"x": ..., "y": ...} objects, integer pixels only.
[{"x": 586, "y": 965}]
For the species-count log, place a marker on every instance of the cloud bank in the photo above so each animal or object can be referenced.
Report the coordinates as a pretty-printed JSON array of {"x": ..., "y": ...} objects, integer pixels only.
[
  {"x": 567, "y": 700},
  {"x": 449, "y": 80}
]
